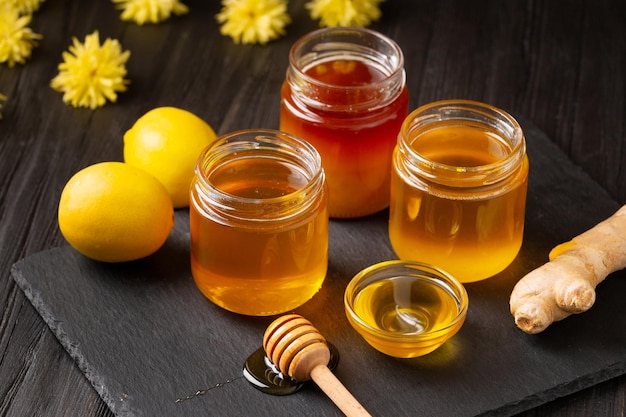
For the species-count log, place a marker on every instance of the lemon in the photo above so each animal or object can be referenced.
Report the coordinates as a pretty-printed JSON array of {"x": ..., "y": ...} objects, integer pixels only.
[
  {"x": 166, "y": 142},
  {"x": 114, "y": 212}
]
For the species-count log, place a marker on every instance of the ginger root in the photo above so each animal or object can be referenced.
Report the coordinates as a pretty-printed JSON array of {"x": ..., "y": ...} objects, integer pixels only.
[{"x": 566, "y": 284}]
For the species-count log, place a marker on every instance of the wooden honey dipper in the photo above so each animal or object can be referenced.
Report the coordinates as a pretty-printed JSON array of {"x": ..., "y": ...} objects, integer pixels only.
[{"x": 298, "y": 349}]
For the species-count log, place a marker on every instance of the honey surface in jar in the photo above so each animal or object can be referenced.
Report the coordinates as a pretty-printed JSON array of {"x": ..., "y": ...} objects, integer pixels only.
[
  {"x": 257, "y": 268},
  {"x": 355, "y": 143},
  {"x": 471, "y": 233}
]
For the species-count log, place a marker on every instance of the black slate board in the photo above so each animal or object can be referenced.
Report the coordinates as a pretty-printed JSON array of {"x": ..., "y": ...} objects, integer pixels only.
[{"x": 144, "y": 335}]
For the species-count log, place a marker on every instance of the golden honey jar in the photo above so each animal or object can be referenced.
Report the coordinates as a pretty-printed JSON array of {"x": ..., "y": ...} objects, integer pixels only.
[
  {"x": 458, "y": 189},
  {"x": 259, "y": 222}
]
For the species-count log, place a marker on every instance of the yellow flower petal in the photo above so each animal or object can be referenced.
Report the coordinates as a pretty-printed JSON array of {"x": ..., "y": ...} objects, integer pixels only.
[
  {"x": 253, "y": 21},
  {"x": 26, "y": 6},
  {"x": 16, "y": 39},
  {"x": 344, "y": 12},
  {"x": 92, "y": 73},
  {"x": 150, "y": 11}
]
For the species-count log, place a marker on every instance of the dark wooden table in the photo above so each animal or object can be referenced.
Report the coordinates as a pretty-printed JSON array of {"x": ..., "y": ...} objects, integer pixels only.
[{"x": 561, "y": 65}]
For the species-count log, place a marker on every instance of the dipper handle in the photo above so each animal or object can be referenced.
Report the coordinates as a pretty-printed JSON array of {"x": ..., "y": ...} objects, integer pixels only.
[
  {"x": 337, "y": 392},
  {"x": 298, "y": 349}
]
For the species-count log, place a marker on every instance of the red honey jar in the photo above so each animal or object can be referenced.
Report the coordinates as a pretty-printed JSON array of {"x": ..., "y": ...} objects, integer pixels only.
[{"x": 345, "y": 93}]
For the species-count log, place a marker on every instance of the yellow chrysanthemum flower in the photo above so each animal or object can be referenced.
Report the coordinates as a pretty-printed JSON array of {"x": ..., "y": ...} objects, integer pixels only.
[
  {"x": 26, "y": 6},
  {"x": 253, "y": 21},
  {"x": 16, "y": 39},
  {"x": 90, "y": 73},
  {"x": 150, "y": 11},
  {"x": 344, "y": 12}
]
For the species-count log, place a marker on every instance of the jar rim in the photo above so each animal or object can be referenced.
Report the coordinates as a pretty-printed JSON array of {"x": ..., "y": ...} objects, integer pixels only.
[
  {"x": 480, "y": 113},
  {"x": 296, "y": 151},
  {"x": 394, "y": 67}
]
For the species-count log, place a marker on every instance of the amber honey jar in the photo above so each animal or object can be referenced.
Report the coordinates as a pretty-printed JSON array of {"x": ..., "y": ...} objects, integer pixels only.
[
  {"x": 345, "y": 93},
  {"x": 458, "y": 189},
  {"x": 259, "y": 222}
]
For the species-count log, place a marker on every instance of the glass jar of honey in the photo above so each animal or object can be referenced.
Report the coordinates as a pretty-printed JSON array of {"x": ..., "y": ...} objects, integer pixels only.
[
  {"x": 345, "y": 93},
  {"x": 259, "y": 222},
  {"x": 458, "y": 189}
]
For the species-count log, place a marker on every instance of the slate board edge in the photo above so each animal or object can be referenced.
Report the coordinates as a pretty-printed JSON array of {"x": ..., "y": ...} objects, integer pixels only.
[
  {"x": 57, "y": 329},
  {"x": 557, "y": 392}
]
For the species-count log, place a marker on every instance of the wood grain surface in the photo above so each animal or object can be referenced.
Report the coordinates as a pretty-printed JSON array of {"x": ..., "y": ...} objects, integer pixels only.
[{"x": 559, "y": 64}]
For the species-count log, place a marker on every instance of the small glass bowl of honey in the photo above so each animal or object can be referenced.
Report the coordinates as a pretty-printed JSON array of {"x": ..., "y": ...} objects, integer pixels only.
[{"x": 405, "y": 309}]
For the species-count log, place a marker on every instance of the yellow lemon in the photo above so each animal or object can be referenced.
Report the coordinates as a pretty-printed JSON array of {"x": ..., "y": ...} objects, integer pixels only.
[
  {"x": 114, "y": 212},
  {"x": 166, "y": 142}
]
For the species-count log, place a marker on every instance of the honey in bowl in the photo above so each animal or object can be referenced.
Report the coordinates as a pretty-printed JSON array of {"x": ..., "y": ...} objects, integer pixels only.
[
  {"x": 405, "y": 309},
  {"x": 405, "y": 304}
]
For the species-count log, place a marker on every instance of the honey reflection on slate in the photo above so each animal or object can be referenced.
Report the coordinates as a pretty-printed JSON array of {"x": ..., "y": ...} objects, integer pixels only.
[{"x": 262, "y": 374}]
